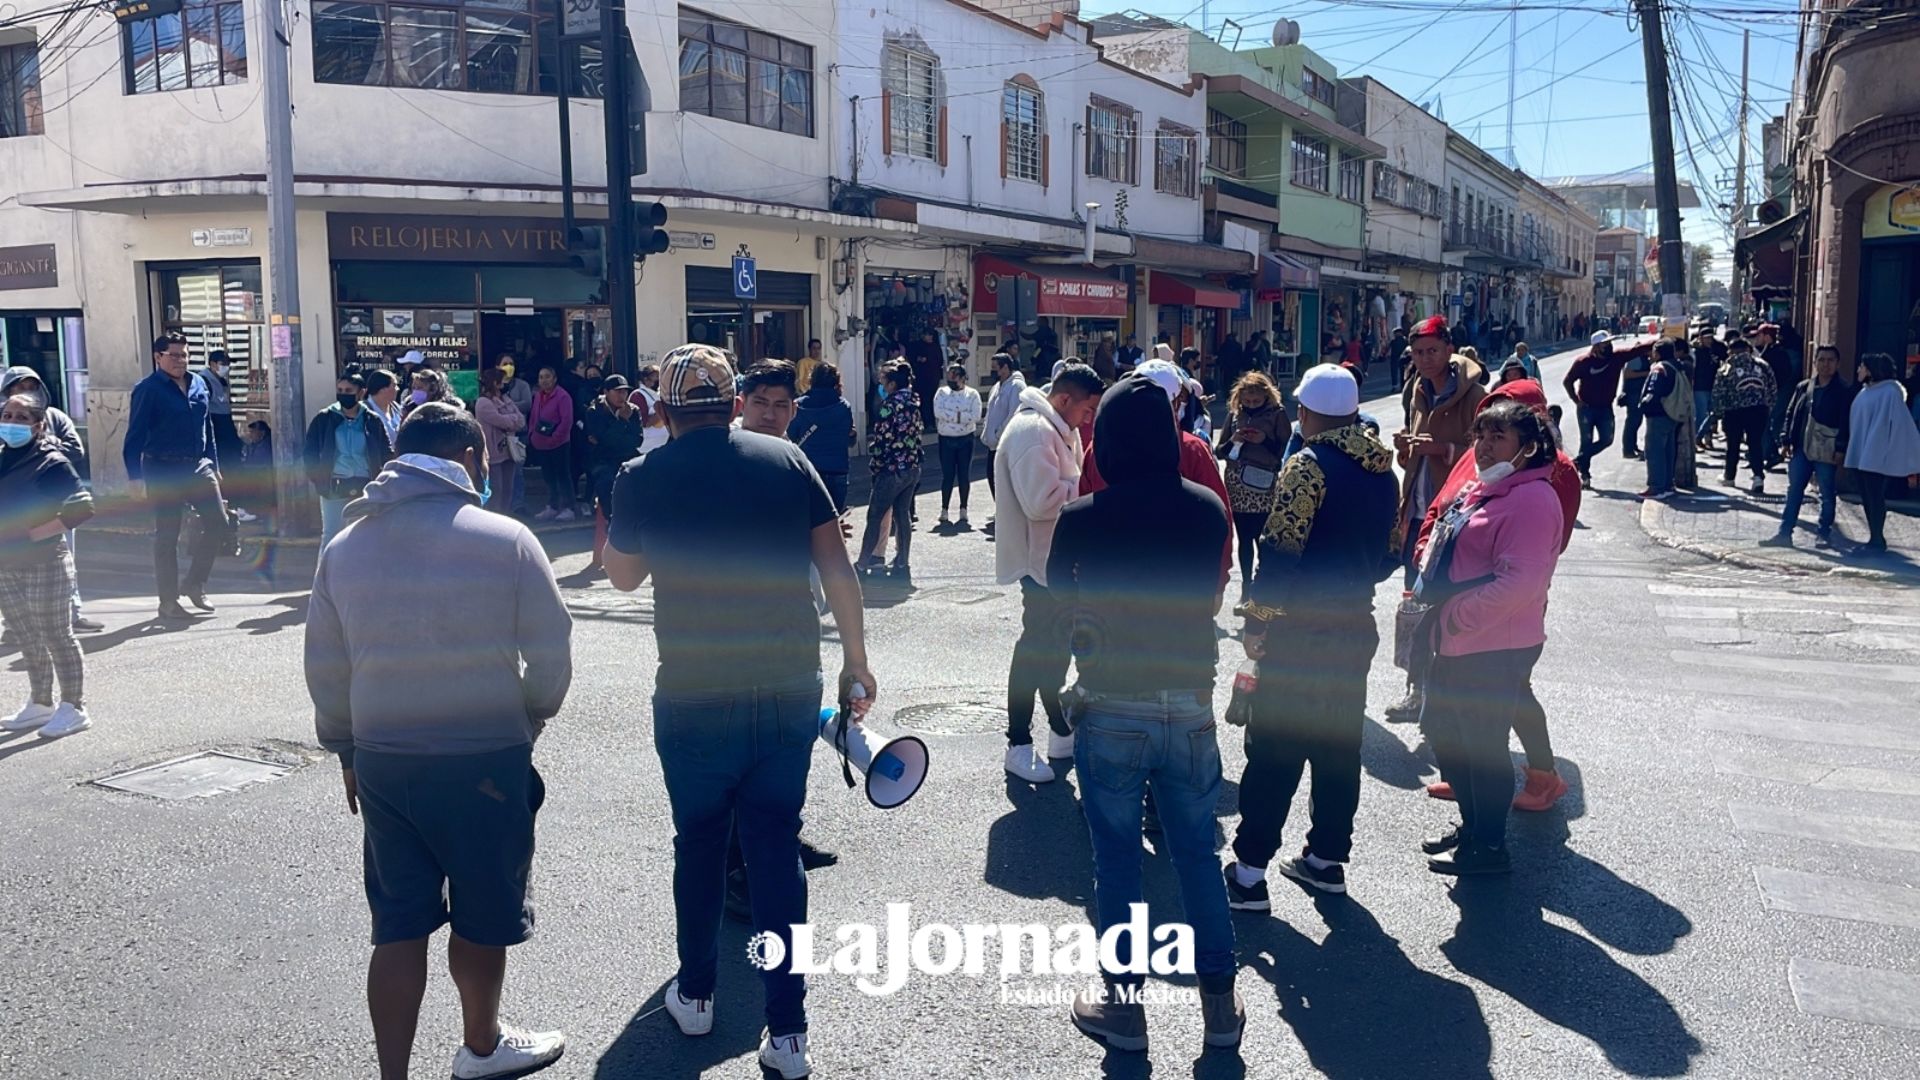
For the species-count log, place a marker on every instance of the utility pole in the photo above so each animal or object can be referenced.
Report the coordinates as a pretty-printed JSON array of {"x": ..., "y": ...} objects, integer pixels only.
[
  {"x": 1740, "y": 176},
  {"x": 1513, "y": 72},
  {"x": 1666, "y": 181},
  {"x": 620, "y": 238},
  {"x": 287, "y": 379}
]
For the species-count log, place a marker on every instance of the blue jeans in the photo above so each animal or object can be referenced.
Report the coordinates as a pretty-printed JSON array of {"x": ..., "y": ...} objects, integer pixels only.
[
  {"x": 332, "y": 518},
  {"x": 1167, "y": 741},
  {"x": 1630, "y": 431},
  {"x": 1703, "y": 411},
  {"x": 1800, "y": 469},
  {"x": 1596, "y": 434},
  {"x": 742, "y": 752},
  {"x": 1663, "y": 448}
]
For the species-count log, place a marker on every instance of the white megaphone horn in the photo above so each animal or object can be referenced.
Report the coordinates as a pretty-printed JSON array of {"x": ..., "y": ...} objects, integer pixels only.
[{"x": 894, "y": 768}]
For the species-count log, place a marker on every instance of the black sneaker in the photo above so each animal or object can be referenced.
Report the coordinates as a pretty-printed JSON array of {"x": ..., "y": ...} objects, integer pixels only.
[
  {"x": 1246, "y": 897},
  {"x": 1446, "y": 841},
  {"x": 1331, "y": 879},
  {"x": 901, "y": 577},
  {"x": 1469, "y": 859},
  {"x": 84, "y": 625},
  {"x": 1407, "y": 709}
]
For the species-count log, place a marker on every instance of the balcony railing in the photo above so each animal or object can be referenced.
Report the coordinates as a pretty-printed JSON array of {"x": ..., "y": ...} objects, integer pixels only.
[{"x": 1464, "y": 236}]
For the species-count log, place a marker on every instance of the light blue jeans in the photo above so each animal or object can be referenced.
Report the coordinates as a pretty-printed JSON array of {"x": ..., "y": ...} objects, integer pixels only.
[
  {"x": 332, "y": 518},
  {"x": 1800, "y": 469},
  {"x": 1703, "y": 412},
  {"x": 1122, "y": 746}
]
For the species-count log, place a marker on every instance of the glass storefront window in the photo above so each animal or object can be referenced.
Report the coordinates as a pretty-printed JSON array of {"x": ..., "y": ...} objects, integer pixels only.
[{"x": 219, "y": 306}]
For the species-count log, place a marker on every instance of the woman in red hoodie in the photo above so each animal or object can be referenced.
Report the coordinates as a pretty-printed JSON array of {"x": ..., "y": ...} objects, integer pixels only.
[{"x": 1488, "y": 564}]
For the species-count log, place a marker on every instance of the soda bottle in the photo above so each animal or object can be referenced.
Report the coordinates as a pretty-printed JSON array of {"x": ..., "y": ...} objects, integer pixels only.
[{"x": 1245, "y": 682}]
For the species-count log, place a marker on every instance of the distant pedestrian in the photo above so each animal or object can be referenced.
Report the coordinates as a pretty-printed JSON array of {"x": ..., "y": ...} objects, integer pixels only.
[
  {"x": 1883, "y": 445},
  {"x": 956, "y": 412},
  {"x": 63, "y": 431},
  {"x": 346, "y": 448},
  {"x": 1512, "y": 371},
  {"x": 1666, "y": 405},
  {"x": 1524, "y": 353},
  {"x": 226, "y": 437},
  {"x": 1743, "y": 396},
  {"x": 44, "y": 501},
  {"x": 1783, "y": 361},
  {"x": 822, "y": 428},
  {"x": 803, "y": 371},
  {"x": 1038, "y": 470},
  {"x": 615, "y": 426},
  {"x": 504, "y": 425},
  {"x": 726, "y": 523},
  {"x": 1129, "y": 356},
  {"x": 1002, "y": 402},
  {"x": 430, "y": 385},
  {"x": 1636, "y": 368},
  {"x": 1708, "y": 353},
  {"x": 1309, "y": 626},
  {"x": 170, "y": 451},
  {"x": 1147, "y": 542},
  {"x": 1819, "y": 428},
  {"x": 1591, "y": 383},
  {"x": 550, "y": 443},
  {"x": 1256, "y": 433},
  {"x": 440, "y": 771},
  {"x": 383, "y": 398},
  {"x": 894, "y": 453}
]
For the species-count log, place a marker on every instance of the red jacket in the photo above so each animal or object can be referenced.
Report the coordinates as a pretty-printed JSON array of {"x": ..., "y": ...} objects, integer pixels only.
[
  {"x": 1565, "y": 478},
  {"x": 1196, "y": 464}
]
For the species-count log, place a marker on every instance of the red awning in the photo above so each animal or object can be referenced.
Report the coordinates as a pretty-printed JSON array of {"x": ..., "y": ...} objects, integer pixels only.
[
  {"x": 1061, "y": 290},
  {"x": 1190, "y": 292}
]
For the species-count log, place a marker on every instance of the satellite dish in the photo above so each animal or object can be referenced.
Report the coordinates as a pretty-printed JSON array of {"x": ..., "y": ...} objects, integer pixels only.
[{"x": 1286, "y": 32}]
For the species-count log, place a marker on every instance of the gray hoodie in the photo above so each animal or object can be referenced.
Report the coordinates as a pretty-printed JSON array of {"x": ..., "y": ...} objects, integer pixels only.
[
  {"x": 435, "y": 626},
  {"x": 59, "y": 424}
]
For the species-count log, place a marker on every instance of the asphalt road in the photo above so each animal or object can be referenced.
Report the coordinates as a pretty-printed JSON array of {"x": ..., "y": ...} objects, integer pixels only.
[{"x": 1726, "y": 892}]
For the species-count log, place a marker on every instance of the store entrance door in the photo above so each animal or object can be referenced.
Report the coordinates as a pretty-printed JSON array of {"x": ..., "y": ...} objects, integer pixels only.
[{"x": 533, "y": 340}]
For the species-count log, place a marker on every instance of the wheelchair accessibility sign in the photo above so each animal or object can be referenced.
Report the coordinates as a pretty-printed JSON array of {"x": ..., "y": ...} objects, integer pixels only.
[{"x": 746, "y": 279}]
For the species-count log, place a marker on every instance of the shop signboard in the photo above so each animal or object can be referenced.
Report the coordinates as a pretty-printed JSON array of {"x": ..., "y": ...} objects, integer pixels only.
[
  {"x": 425, "y": 238},
  {"x": 368, "y": 336},
  {"x": 33, "y": 266},
  {"x": 1892, "y": 212}
]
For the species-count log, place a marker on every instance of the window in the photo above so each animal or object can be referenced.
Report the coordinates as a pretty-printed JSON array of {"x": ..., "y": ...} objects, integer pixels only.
[
  {"x": 1353, "y": 178},
  {"x": 219, "y": 306},
  {"x": 1113, "y": 142},
  {"x": 202, "y": 44},
  {"x": 1226, "y": 144},
  {"x": 730, "y": 72},
  {"x": 19, "y": 90},
  {"x": 1310, "y": 163},
  {"x": 485, "y": 46},
  {"x": 1386, "y": 183},
  {"x": 1022, "y": 142},
  {"x": 1317, "y": 86},
  {"x": 1175, "y": 150},
  {"x": 913, "y": 103}
]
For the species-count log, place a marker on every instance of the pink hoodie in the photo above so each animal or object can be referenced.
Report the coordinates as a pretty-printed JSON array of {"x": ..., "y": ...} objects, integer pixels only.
[{"x": 1513, "y": 534}]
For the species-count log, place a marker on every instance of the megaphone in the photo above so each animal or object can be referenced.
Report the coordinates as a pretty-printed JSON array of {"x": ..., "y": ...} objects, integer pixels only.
[{"x": 894, "y": 768}]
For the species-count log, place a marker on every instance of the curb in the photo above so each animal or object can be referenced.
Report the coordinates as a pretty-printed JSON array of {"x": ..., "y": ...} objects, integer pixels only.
[{"x": 1750, "y": 561}]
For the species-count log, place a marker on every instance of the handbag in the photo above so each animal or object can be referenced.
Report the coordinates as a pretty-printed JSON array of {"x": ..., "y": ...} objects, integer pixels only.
[
  {"x": 516, "y": 450},
  {"x": 1255, "y": 478},
  {"x": 1822, "y": 442},
  {"x": 547, "y": 427}
]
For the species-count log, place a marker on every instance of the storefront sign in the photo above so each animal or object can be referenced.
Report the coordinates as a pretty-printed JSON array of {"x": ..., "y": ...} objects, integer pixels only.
[
  {"x": 1060, "y": 293},
  {"x": 370, "y": 336},
  {"x": 1893, "y": 211},
  {"x": 446, "y": 239},
  {"x": 236, "y": 237},
  {"x": 29, "y": 267}
]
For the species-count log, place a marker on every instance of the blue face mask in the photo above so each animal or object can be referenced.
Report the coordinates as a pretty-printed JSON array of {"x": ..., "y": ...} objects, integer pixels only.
[
  {"x": 486, "y": 490},
  {"x": 16, "y": 435}
]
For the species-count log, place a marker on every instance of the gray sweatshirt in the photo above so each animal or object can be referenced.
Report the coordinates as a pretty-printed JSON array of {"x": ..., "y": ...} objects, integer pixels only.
[{"x": 435, "y": 626}]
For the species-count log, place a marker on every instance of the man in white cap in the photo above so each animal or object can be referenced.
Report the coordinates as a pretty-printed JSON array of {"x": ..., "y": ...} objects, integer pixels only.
[
  {"x": 1330, "y": 539},
  {"x": 1592, "y": 382}
]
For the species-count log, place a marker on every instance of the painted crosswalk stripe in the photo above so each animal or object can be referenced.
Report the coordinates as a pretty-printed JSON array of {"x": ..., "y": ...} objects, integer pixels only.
[
  {"x": 1847, "y": 992},
  {"x": 1679, "y": 611},
  {"x": 1785, "y": 770},
  {"x": 1718, "y": 686},
  {"x": 1785, "y": 665},
  {"x": 1838, "y": 898},
  {"x": 1847, "y": 599},
  {"x": 1877, "y": 781},
  {"x": 1861, "y": 736},
  {"x": 1874, "y": 832}
]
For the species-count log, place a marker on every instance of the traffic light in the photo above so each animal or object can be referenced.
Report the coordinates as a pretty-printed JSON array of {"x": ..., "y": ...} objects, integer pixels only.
[
  {"x": 648, "y": 236},
  {"x": 587, "y": 250}
]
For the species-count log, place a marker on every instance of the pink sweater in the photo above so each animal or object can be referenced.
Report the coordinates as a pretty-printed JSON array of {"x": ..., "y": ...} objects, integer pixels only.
[
  {"x": 551, "y": 407},
  {"x": 1514, "y": 534}
]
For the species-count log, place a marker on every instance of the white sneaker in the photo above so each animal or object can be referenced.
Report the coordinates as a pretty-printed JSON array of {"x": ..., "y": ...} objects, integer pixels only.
[
  {"x": 564, "y": 515},
  {"x": 962, "y": 519},
  {"x": 1059, "y": 746},
  {"x": 518, "y": 1053},
  {"x": 31, "y": 715},
  {"x": 68, "y": 719},
  {"x": 786, "y": 1055},
  {"x": 1027, "y": 764},
  {"x": 694, "y": 1015},
  {"x": 243, "y": 516},
  {"x": 546, "y": 515}
]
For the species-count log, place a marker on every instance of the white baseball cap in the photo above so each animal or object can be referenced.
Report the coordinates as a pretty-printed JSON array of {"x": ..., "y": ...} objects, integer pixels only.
[
  {"x": 1329, "y": 390},
  {"x": 1164, "y": 374},
  {"x": 1599, "y": 337}
]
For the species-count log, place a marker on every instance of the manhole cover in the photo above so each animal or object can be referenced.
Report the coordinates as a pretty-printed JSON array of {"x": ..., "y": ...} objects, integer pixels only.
[
  {"x": 959, "y": 594},
  {"x": 953, "y": 718},
  {"x": 1796, "y": 622},
  {"x": 196, "y": 776}
]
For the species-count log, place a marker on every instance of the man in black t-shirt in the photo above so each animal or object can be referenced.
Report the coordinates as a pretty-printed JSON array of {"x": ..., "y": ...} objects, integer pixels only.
[{"x": 727, "y": 523}]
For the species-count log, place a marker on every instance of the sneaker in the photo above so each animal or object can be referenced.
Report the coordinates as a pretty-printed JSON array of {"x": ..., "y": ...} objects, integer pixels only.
[
  {"x": 31, "y": 715},
  {"x": 1446, "y": 841},
  {"x": 518, "y": 1053},
  {"x": 1121, "y": 1025},
  {"x": 1246, "y": 897},
  {"x": 962, "y": 519},
  {"x": 944, "y": 519},
  {"x": 1025, "y": 763},
  {"x": 1330, "y": 879},
  {"x": 546, "y": 515},
  {"x": 1407, "y": 709},
  {"x": 694, "y": 1016},
  {"x": 1758, "y": 487},
  {"x": 68, "y": 719},
  {"x": 1059, "y": 746},
  {"x": 901, "y": 577},
  {"x": 1469, "y": 859},
  {"x": 243, "y": 516},
  {"x": 786, "y": 1055},
  {"x": 1823, "y": 538},
  {"x": 1544, "y": 788},
  {"x": 564, "y": 515},
  {"x": 1630, "y": 454},
  {"x": 1778, "y": 540},
  {"x": 84, "y": 625},
  {"x": 1441, "y": 790},
  {"x": 1224, "y": 1016}
]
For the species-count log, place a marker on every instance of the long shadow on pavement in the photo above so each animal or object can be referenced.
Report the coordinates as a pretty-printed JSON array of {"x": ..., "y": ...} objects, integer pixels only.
[{"x": 651, "y": 1044}]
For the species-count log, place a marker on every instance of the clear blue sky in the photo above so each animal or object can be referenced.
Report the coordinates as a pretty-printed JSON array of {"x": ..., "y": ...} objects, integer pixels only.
[{"x": 1580, "y": 99}]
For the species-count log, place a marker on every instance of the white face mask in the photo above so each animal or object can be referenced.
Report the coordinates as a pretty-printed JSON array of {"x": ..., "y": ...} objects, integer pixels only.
[{"x": 1498, "y": 471}]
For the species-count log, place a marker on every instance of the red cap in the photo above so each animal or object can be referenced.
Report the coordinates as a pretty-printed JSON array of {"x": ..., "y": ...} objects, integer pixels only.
[{"x": 1432, "y": 326}]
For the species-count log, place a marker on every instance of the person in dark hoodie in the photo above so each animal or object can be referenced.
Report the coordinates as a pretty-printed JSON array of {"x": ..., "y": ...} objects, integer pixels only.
[
  {"x": 615, "y": 426},
  {"x": 822, "y": 428},
  {"x": 1141, "y": 611},
  {"x": 60, "y": 427},
  {"x": 346, "y": 448},
  {"x": 440, "y": 772},
  {"x": 44, "y": 501},
  {"x": 1332, "y": 536}
]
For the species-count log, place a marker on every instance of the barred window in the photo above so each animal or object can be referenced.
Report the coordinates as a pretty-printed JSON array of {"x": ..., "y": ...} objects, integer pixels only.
[
  {"x": 913, "y": 80},
  {"x": 1021, "y": 128},
  {"x": 202, "y": 44},
  {"x": 1386, "y": 183},
  {"x": 1316, "y": 86},
  {"x": 19, "y": 90},
  {"x": 1113, "y": 143},
  {"x": 1175, "y": 151},
  {"x": 1226, "y": 144},
  {"x": 1310, "y": 158}
]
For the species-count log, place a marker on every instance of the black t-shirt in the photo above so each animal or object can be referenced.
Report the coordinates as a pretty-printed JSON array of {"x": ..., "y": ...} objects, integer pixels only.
[{"x": 725, "y": 519}]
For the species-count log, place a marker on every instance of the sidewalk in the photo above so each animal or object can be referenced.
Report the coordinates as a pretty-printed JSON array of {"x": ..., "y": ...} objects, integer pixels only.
[{"x": 1728, "y": 525}]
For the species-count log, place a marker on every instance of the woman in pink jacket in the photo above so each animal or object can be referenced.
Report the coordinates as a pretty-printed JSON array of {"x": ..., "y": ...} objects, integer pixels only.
[
  {"x": 550, "y": 444},
  {"x": 1491, "y": 556}
]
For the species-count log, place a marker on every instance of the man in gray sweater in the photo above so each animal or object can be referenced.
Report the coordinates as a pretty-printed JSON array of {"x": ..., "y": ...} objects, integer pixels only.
[{"x": 441, "y": 768}]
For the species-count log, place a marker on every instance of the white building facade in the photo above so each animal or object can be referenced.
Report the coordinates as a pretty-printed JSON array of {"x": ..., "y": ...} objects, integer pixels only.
[{"x": 1407, "y": 199}]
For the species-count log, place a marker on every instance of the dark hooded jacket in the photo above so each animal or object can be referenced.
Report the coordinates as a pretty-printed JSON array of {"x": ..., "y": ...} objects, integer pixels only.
[
  {"x": 1332, "y": 535},
  {"x": 1137, "y": 564},
  {"x": 822, "y": 428},
  {"x": 59, "y": 424}
]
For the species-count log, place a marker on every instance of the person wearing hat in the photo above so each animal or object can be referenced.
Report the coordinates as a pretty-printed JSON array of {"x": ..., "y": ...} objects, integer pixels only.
[
  {"x": 1440, "y": 403},
  {"x": 25, "y": 380},
  {"x": 616, "y": 428},
  {"x": 1592, "y": 382},
  {"x": 1309, "y": 625},
  {"x": 1743, "y": 393},
  {"x": 726, "y": 523}
]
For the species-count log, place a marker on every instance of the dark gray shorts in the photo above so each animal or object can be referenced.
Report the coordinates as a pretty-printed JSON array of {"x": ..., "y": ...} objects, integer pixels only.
[{"x": 449, "y": 839}]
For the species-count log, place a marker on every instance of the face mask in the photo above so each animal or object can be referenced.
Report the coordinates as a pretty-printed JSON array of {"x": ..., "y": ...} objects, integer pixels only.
[
  {"x": 16, "y": 435},
  {"x": 486, "y": 489},
  {"x": 419, "y": 397},
  {"x": 347, "y": 401},
  {"x": 1498, "y": 471}
]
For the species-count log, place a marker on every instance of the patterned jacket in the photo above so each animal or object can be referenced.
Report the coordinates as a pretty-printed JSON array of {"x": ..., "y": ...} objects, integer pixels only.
[{"x": 893, "y": 445}]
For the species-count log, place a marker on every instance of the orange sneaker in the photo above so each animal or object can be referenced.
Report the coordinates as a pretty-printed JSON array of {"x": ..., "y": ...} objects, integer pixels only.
[
  {"x": 1440, "y": 790},
  {"x": 1544, "y": 788}
]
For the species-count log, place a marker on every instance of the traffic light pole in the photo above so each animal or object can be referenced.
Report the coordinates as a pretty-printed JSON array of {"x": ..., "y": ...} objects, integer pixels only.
[{"x": 620, "y": 239}]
